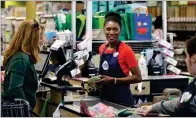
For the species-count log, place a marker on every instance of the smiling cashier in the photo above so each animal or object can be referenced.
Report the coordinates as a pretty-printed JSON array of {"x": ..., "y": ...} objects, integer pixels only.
[{"x": 116, "y": 62}]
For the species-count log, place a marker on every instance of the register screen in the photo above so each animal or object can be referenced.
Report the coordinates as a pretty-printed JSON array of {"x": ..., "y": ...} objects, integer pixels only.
[{"x": 40, "y": 64}]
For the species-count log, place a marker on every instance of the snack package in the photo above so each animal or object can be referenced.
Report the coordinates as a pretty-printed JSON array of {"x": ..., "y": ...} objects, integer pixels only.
[
  {"x": 102, "y": 110},
  {"x": 98, "y": 110}
]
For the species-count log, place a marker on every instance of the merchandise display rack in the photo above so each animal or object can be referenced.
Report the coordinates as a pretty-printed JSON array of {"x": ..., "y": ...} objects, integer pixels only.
[
  {"x": 182, "y": 22},
  {"x": 151, "y": 85},
  {"x": 168, "y": 26}
]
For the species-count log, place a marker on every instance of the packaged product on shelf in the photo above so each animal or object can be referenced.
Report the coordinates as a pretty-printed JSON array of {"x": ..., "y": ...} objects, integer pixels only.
[
  {"x": 143, "y": 66},
  {"x": 171, "y": 61},
  {"x": 168, "y": 52},
  {"x": 174, "y": 69},
  {"x": 165, "y": 44},
  {"x": 83, "y": 45}
]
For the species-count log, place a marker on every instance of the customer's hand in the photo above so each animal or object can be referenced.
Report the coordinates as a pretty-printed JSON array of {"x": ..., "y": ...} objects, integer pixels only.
[
  {"x": 105, "y": 80},
  {"x": 147, "y": 109}
]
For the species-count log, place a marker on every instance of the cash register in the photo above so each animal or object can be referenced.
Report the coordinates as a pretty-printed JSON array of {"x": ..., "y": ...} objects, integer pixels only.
[
  {"x": 41, "y": 65},
  {"x": 154, "y": 62}
]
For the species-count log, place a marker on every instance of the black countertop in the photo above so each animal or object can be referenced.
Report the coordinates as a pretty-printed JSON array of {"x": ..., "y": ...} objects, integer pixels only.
[
  {"x": 163, "y": 77},
  {"x": 55, "y": 86}
]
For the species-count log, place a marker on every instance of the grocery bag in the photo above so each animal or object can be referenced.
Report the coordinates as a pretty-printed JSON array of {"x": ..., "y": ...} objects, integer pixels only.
[{"x": 140, "y": 25}]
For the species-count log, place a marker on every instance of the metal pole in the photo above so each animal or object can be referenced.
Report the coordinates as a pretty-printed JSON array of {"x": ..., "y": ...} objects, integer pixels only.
[
  {"x": 89, "y": 24},
  {"x": 73, "y": 12},
  {"x": 107, "y": 5},
  {"x": 164, "y": 18},
  {"x": 98, "y": 6}
]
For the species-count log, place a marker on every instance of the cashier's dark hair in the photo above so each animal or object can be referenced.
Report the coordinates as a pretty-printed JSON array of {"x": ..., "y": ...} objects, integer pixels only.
[
  {"x": 191, "y": 46},
  {"x": 113, "y": 16}
]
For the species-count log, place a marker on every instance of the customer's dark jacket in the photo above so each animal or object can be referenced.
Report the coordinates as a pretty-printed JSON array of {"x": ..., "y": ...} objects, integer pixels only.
[
  {"x": 20, "y": 78},
  {"x": 185, "y": 105}
]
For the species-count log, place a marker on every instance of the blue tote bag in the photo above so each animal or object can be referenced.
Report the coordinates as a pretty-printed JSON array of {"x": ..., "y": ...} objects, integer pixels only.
[{"x": 141, "y": 26}]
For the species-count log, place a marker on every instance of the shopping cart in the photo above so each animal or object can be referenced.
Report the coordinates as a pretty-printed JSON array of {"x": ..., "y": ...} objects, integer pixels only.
[{"x": 15, "y": 108}]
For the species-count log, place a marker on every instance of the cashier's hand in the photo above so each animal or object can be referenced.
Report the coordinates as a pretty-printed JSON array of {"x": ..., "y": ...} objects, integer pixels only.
[
  {"x": 105, "y": 80},
  {"x": 147, "y": 109}
]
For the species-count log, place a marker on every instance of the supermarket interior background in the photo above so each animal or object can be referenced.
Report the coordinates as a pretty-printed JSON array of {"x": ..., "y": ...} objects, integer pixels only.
[{"x": 74, "y": 31}]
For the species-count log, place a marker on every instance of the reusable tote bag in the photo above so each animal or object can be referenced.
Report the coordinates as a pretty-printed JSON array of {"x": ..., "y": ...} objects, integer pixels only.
[
  {"x": 98, "y": 20},
  {"x": 141, "y": 25},
  {"x": 80, "y": 27},
  {"x": 125, "y": 32}
]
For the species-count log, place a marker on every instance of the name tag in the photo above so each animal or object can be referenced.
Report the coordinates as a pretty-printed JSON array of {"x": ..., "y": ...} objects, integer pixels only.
[{"x": 115, "y": 54}]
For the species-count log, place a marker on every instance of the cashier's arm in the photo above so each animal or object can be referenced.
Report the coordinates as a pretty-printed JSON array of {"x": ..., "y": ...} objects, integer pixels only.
[
  {"x": 134, "y": 78},
  {"x": 131, "y": 62}
]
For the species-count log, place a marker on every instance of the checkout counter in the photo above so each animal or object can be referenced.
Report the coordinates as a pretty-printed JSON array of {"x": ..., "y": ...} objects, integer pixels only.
[
  {"x": 71, "y": 102},
  {"x": 49, "y": 96},
  {"x": 155, "y": 85},
  {"x": 71, "y": 97}
]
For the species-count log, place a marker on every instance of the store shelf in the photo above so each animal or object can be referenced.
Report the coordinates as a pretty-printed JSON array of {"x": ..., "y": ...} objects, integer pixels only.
[
  {"x": 179, "y": 47},
  {"x": 8, "y": 30},
  {"x": 188, "y": 31},
  {"x": 15, "y": 18},
  {"x": 20, "y": 18},
  {"x": 130, "y": 41},
  {"x": 179, "y": 54},
  {"x": 136, "y": 45},
  {"x": 181, "y": 60},
  {"x": 48, "y": 16},
  {"x": 10, "y": 18},
  {"x": 180, "y": 20},
  {"x": 39, "y": 13},
  {"x": 174, "y": 10}
]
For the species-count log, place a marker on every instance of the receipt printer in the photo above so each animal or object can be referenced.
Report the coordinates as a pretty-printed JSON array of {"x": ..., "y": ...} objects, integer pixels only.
[{"x": 155, "y": 62}]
